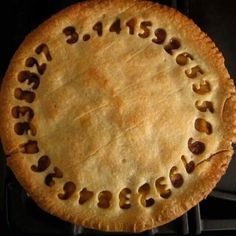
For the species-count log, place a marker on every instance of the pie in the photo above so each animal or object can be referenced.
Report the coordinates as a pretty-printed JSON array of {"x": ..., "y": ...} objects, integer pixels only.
[{"x": 118, "y": 115}]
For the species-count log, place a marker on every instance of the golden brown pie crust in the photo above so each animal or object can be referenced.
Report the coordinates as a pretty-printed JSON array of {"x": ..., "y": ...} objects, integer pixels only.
[{"x": 134, "y": 125}]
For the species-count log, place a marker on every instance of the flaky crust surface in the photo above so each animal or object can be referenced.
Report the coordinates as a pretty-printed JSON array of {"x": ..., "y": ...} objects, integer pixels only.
[{"x": 118, "y": 111}]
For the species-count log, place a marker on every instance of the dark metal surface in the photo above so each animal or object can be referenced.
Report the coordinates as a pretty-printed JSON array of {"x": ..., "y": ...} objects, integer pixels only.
[
  {"x": 19, "y": 215},
  {"x": 218, "y": 19}
]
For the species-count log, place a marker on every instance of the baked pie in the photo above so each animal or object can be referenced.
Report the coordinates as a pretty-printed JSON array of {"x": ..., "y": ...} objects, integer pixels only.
[{"x": 118, "y": 115}]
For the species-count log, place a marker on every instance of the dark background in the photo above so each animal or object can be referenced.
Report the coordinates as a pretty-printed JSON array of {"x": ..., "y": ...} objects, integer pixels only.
[{"x": 18, "y": 17}]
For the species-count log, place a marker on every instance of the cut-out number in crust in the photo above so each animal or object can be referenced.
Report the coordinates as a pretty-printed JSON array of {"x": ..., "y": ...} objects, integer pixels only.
[
  {"x": 131, "y": 25},
  {"x": 175, "y": 177},
  {"x": 49, "y": 179},
  {"x": 98, "y": 27},
  {"x": 104, "y": 199},
  {"x": 160, "y": 36},
  {"x": 145, "y": 25},
  {"x": 115, "y": 27},
  {"x": 203, "y": 126},
  {"x": 69, "y": 188},
  {"x": 31, "y": 147},
  {"x": 202, "y": 88},
  {"x": 189, "y": 166},
  {"x": 25, "y": 95},
  {"x": 43, "y": 49},
  {"x": 72, "y": 35},
  {"x": 162, "y": 188},
  {"x": 205, "y": 106},
  {"x": 194, "y": 72},
  {"x": 196, "y": 147},
  {"x": 25, "y": 128},
  {"x": 144, "y": 191},
  {"x": 29, "y": 77},
  {"x": 23, "y": 111},
  {"x": 124, "y": 197},
  {"x": 31, "y": 62},
  {"x": 183, "y": 58},
  {"x": 85, "y": 195},
  {"x": 43, "y": 163},
  {"x": 173, "y": 44}
]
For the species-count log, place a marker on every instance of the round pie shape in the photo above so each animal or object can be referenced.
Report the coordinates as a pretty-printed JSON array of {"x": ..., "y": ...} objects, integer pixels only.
[{"x": 118, "y": 115}]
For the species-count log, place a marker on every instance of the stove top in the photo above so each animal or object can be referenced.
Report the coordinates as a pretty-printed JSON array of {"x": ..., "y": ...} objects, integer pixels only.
[{"x": 19, "y": 215}]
